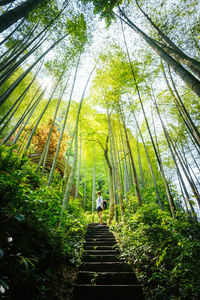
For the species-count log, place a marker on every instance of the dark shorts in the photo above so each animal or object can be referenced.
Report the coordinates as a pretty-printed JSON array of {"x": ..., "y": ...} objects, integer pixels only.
[{"x": 99, "y": 209}]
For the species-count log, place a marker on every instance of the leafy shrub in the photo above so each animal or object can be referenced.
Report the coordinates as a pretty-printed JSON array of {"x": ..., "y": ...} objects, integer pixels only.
[
  {"x": 164, "y": 252},
  {"x": 33, "y": 245}
]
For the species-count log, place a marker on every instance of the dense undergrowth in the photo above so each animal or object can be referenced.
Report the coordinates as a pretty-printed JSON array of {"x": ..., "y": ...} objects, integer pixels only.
[
  {"x": 163, "y": 251},
  {"x": 37, "y": 257}
]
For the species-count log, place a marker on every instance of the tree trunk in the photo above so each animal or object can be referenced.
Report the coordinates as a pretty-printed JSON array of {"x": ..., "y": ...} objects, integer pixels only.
[
  {"x": 28, "y": 112},
  {"x": 93, "y": 184},
  {"x": 112, "y": 210},
  {"x": 37, "y": 123},
  {"x": 126, "y": 175},
  {"x": 66, "y": 198},
  {"x": 5, "y": 2},
  {"x": 173, "y": 150},
  {"x": 12, "y": 16},
  {"x": 186, "y": 76},
  {"x": 46, "y": 147},
  {"x": 182, "y": 109},
  {"x": 139, "y": 160},
  {"x": 118, "y": 182},
  {"x": 149, "y": 162},
  {"x": 131, "y": 157},
  {"x": 51, "y": 175},
  {"x": 178, "y": 54},
  {"x": 179, "y": 101},
  {"x": 14, "y": 85},
  {"x": 20, "y": 98},
  {"x": 79, "y": 169},
  {"x": 11, "y": 65},
  {"x": 14, "y": 30},
  {"x": 73, "y": 169},
  {"x": 84, "y": 190},
  {"x": 19, "y": 122}
]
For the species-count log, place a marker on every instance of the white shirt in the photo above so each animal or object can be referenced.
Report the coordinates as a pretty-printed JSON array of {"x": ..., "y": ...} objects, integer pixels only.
[{"x": 99, "y": 201}]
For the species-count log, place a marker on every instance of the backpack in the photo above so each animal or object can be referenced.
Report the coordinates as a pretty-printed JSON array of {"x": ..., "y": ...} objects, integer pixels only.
[{"x": 104, "y": 204}]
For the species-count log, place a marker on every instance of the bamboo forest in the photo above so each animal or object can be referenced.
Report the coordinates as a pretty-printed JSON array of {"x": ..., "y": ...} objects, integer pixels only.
[{"x": 100, "y": 149}]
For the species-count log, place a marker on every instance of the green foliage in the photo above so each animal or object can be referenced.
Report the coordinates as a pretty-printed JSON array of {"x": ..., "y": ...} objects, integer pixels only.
[
  {"x": 104, "y": 8},
  {"x": 164, "y": 252},
  {"x": 32, "y": 244},
  {"x": 77, "y": 27}
]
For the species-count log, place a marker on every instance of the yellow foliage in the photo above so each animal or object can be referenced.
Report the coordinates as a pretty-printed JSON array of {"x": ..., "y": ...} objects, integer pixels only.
[{"x": 41, "y": 136}]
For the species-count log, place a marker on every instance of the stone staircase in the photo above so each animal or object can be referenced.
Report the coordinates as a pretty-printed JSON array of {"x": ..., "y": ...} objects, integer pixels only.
[{"x": 102, "y": 275}]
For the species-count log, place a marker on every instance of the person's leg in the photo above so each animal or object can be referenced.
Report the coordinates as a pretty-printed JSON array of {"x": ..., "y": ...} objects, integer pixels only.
[
  {"x": 101, "y": 217},
  {"x": 99, "y": 214}
]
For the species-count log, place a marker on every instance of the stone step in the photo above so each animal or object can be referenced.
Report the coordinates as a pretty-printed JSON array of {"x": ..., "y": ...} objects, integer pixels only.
[
  {"x": 102, "y": 252},
  {"x": 107, "y": 292},
  {"x": 106, "y": 278},
  {"x": 104, "y": 235},
  {"x": 96, "y": 224},
  {"x": 98, "y": 228},
  {"x": 102, "y": 274},
  {"x": 99, "y": 258},
  {"x": 105, "y": 267},
  {"x": 99, "y": 248},
  {"x": 101, "y": 243},
  {"x": 97, "y": 231},
  {"x": 100, "y": 239}
]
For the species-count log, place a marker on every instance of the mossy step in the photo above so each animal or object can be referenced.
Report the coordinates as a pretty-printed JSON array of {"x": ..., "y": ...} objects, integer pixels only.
[
  {"x": 105, "y": 267},
  {"x": 101, "y": 239},
  {"x": 100, "y": 228},
  {"x": 100, "y": 258},
  {"x": 101, "y": 243},
  {"x": 109, "y": 234},
  {"x": 98, "y": 231},
  {"x": 99, "y": 248},
  {"x": 106, "y": 278},
  {"x": 102, "y": 252},
  {"x": 107, "y": 292}
]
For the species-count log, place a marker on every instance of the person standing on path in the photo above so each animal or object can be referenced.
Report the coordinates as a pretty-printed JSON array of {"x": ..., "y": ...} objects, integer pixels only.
[{"x": 99, "y": 207}]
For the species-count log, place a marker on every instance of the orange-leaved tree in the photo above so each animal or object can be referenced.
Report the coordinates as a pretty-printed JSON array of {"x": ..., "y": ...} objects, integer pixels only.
[{"x": 41, "y": 135}]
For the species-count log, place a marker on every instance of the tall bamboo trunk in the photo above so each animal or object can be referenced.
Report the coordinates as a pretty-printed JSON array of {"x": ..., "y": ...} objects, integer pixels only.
[
  {"x": 131, "y": 157},
  {"x": 73, "y": 169},
  {"x": 19, "y": 98},
  {"x": 112, "y": 210},
  {"x": 5, "y": 2},
  {"x": 160, "y": 202},
  {"x": 182, "y": 109},
  {"x": 185, "y": 75},
  {"x": 44, "y": 155},
  {"x": 12, "y": 16},
  {"x": 84, "y": 189},
  {"x": 193, "y": 64},
  {"x": 118, "y": 182},
  {"x": 173, "y": 149},
  {"x": 28, "y": 113},
  {"x": 127, "y": 183},
  {"x": 79, "y": 168},
  {"x": 14, "y": 30},
  {"x": 93, "y": 183},
  {"x": 51, "y": 175},
  {"x": 139, "y": 160},
  {"x": 14, "y": 85}
]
